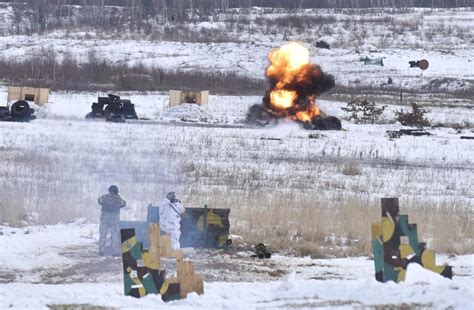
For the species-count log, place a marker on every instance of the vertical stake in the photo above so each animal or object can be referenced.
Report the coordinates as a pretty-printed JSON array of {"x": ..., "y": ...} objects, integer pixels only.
[{"x": 205, "y": 225}]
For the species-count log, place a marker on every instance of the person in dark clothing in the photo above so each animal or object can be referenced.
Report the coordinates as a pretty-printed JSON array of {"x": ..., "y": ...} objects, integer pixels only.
[{"x": 109, "y": 220}]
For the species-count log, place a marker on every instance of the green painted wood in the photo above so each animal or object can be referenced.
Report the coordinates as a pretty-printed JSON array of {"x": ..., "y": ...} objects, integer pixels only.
[
  {"x": 377, "y": 248},
  {"x": 149, "y": 284},
  {"x": 389, "y": 273},
  {"x": 412, "y": 233}
]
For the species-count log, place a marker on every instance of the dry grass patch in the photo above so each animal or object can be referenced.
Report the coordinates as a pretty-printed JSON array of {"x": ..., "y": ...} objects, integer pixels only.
[
  {"x": 342, "y": 228},
  {"x": 351, "y": 169}
]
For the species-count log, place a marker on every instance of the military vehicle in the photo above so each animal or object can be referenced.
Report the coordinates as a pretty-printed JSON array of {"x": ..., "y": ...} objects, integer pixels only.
[{"x": 113, "y": 109}]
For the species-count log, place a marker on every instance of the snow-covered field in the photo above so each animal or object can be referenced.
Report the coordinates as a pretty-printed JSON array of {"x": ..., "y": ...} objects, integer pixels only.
[
  {"x": 297, "y": 191},
  {"x": 42, "y": 266},
  {"x": 68, "y": 161},
  {"x": 442, "y": 37}
]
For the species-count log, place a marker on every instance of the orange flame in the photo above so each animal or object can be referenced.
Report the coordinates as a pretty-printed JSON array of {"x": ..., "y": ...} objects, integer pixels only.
[
  {"x": 306, "y": 116},
  {"x": 286, "y": 61},
  {"x": 283, "y": 99},
  {"x": 288, "y": 65}
]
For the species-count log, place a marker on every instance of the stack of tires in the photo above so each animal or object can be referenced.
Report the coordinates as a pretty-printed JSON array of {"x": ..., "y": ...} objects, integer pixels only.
[{"x": 19, "y": 111}]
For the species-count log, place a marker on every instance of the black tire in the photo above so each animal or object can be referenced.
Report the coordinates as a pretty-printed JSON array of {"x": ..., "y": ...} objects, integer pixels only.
[
  {"x": 117, "y": 118},
  {"x": 90, "y": 115},
  {"x": 319, "y": 124},
  {"x": 20, "y": 109},
  {"x": 4, "y": 112},
  {"x": 333, "y": 123}
]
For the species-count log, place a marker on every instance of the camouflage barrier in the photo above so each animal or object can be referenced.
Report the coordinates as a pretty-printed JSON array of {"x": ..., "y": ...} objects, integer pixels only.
[
  {"x": 142, "y": 275},
  {"x": 200, "y": 227},
  {"x": 391, "y": 255},
  {"x": 205, "y": 228}
]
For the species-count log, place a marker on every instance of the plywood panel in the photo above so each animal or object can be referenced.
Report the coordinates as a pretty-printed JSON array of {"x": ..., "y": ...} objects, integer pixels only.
[
  {"x": 165, "y": 246},
  {"x": 40, "y": 96},
  {"x": 154, "y": 235}
]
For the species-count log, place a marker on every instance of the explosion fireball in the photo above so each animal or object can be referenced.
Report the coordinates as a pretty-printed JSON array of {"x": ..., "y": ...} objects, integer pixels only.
[
  {"x": 295, "y": 82},
  {"x": 294, "y": 85}
]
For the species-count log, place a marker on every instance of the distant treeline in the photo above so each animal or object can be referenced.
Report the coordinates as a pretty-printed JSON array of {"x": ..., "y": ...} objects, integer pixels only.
[
  {"x": 227, "y": 4},
  {"x": 46, "y": 70},
  {"x": 41, "y": 15}
]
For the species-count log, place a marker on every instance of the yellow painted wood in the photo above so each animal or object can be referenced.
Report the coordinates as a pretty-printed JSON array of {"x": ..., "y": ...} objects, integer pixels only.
[
  {"x": 388, "y": 227},
  {"x": 428, "y": 260},
  {"x": 212, "y": 219},
  {"x": 401, "y": 274},
  {"x": 141, "y": 288},
  {"x": 149, "y": 262},
  {"x": 376, "y": 230},
  {"x": 128, "y": 244},
  {"x": 405, "y": 250},
  {"x": 164, "y": 287}
]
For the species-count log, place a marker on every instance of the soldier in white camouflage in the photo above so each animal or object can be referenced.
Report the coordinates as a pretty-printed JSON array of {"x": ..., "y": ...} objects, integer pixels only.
[
  {"x": 170, "y": 217},
  {"x": 109, "y": 221}
]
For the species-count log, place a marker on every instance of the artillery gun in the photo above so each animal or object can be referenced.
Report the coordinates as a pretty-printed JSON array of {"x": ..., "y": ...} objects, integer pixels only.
[{"x": 113, "y": 109}]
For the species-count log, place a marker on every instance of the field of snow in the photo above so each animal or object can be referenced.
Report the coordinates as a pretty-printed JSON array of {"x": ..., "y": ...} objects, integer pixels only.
[
  {"x": 310, "y": 196},
  {"x": 67, "y": 161},
  {"x": 442, "y": 37},
  {"x": 46, "y": 266}
]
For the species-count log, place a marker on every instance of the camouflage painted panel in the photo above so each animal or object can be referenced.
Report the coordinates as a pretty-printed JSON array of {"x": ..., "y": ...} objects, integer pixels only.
[
  {"x": 139, "y": 280},
  {"x": 391, "y": 255},
  {"x": 193, "y": 228}
]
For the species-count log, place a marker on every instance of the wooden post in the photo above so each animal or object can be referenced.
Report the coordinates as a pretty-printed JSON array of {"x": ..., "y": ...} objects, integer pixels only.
[
  {"x": 198, "y": 283},
  {"x": 185, "y": 271},
  {"x": 165, "y": 246},
  {"x": 154, "y": 236}
]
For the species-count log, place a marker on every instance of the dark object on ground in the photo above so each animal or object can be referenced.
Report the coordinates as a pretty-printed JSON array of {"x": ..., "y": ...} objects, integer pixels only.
[
  {"x": 259, "y": 115},
  {"x": 19, "y": 111},
  {"x": 374, "y": 61},
  {"x": 271, "y": 139},
  {"x": 323, "y": 123},
  {"x": 113, "y": 109},
  {"x": 395, "y": 134},
  {"x": 322, "y": 44},
  {"x": 467, "y": 137},
  {"x": 261, "y": 251},
  {"x": 422, "y": 64}
]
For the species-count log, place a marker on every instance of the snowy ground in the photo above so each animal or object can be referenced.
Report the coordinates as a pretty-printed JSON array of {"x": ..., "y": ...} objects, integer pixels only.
[
  {"x": 453, "y": 71},
  {"x": 442, "y": 37},
  {"x": 54, "y": 167},
  {"x": 65, "y": 157},
  {"x": 52, "y": 265}
]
